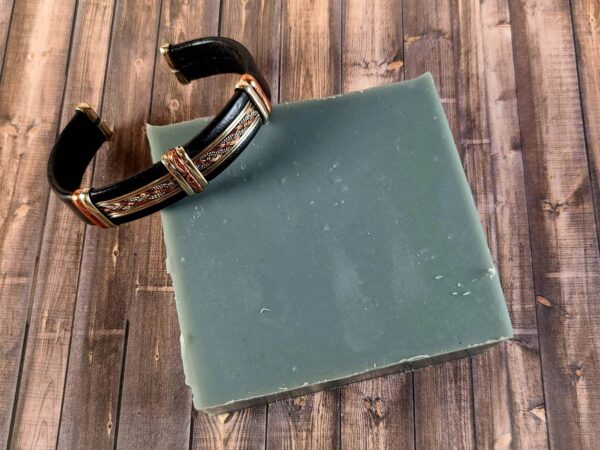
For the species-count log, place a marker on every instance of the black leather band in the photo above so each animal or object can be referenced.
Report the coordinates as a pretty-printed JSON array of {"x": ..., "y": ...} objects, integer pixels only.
[{"x": 190, "y": 167}]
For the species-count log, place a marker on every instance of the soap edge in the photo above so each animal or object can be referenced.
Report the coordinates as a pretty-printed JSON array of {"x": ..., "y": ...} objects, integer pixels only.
[{"x": 406, "y": 365}]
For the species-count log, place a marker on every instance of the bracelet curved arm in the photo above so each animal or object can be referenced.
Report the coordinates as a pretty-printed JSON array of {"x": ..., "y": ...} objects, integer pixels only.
[{"x": 184, "y": 170}]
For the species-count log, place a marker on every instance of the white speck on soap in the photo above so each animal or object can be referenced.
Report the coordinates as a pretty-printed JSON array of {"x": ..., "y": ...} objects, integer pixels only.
[
  {"x": 439, "y": 277},
  {"x": 459, "y": 284},
  {"x": 262, "y": 310},
  {"x": 335, "y": 166},
  {"x": 491, "y": 271},
  {"x": 182, "y": 259},
  {"x": 337, "y": 179},
  {"x": 455, "y": 293},
  {"x": 326, "y": 228},
  {"x": 467, "y": 293},
  {"x": 243, "y": 166},
  {"x": 312, "y": 202},
  {"x": 284, "y": 180},
  {"x": 294, "y": 368}
]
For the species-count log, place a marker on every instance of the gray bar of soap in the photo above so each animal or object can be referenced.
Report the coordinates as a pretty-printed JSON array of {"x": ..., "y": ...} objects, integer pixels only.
[{"x": 343, "y": 244}]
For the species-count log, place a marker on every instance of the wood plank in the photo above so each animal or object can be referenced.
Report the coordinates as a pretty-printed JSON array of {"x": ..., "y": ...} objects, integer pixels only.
[
  {"x": 444, "y": 416},
  {"x": 6, "y": 9},
  {"x": 310, "y": 68},
  {"x": 563, "y": 234},
  {"x": 33, "y": 69},
  {"x": 108, "y": 282},
  {"x": 255, "y": 24},
  {"x": 586, "y": 24},
  {"x": 376, "y": 414},
  {"x": 156, "y": 403},
  {"x": 507, "y": 379},
  {"x": 153, "y": 382},
  {"x": 45, "y": 362}
]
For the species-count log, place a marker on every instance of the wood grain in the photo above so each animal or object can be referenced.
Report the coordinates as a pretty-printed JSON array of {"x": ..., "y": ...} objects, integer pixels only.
[
  {"x": 6, "y": 9},
  {"x": 376, "y": 414},
  {"x": 443, "y": 393},
  {"x": 564, "y": 240},
  {"x": 40, "y": 397},
  {"x": 507, "y": 380},
  {"x": 153, "y": 380},
  {"x": 90, "y": 355},
  {"x": 108, "y": 284},
  {"x": 586, "y": 24},
  {"x": 31, "y": 91},
  {"x": 256, "y": 25},
  {"x": 310, "y": 68}
]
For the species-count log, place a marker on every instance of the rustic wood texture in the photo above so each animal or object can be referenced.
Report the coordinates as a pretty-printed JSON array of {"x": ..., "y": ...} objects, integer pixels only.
[
  {"x": 33, "y": 69},
  {"x": 310, "y": 67},
  {"x": 507, "y": 380},
  {"x": 37, "y": 417},
  {"x": 443, "y": 393},
  {"x": 375, "y": 414},
  {"x": 89, "y": 351}
]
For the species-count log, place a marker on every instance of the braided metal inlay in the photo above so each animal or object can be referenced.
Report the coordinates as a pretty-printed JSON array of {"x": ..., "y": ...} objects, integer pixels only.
[
  {"x": 166, "y": 186},
  {"x": 206, "y": 160}
]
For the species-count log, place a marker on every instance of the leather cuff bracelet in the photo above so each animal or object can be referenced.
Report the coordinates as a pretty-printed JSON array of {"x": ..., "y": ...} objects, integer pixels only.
[{"x": 183, "y": 170}]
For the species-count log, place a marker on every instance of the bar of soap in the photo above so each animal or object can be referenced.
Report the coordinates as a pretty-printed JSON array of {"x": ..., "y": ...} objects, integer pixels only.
[{"x": 342, "y": 244}]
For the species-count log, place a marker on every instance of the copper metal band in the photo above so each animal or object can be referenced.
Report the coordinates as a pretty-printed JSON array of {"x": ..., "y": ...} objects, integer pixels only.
[
  {"x": 81, "y": 200},
  {"x": 205, "y": 162},
  {"x": 185, "y": 172}
]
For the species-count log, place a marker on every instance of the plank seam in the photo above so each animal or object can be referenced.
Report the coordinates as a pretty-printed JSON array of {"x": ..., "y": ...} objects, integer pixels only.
[
  {"x": 10, "y": 22},
  {"x": 84, "y": 235},
  {"x": 18, "y": 386},
  {"x": 122, "y": 378},
  {"x": 529, "y": 225},
  {"x": 587, "y": 143},
  {"x": 34, "y": 276}
]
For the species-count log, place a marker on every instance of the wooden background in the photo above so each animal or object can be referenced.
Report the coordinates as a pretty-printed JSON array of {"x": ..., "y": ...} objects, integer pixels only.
[{"x": 89, "y": 348}]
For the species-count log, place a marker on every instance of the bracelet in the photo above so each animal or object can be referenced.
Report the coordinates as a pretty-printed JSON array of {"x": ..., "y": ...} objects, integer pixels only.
[{"x": 184, "y": 170}]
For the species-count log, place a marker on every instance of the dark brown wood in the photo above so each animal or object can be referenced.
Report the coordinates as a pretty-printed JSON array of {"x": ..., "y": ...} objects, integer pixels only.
[
  {"x": 563, "y": 238},
  {"x": 310, "y": 68},
  {"x": 256, "y": 25},
  {"x": 153, "y": 380},
  {"x": 108, "y": 283},
  {"x": 38, "y": 411},
  {"x": 376, "y": 414},
  {"x": 443, "y": 393},
  {"x": 31, "y": 91},
  {"x": 586, "y": 24},
  {"x": 507, "y": 380}
]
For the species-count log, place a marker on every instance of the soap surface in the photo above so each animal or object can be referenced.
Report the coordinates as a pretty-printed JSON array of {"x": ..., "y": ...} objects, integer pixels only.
[{"x": 343, "y": 243}]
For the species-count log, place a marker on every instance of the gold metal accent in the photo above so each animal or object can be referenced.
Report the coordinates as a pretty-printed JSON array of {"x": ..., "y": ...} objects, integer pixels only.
[
  {"x": 81, "y": 200},
  {"x": 183, "y": 169},
  {"x": 95, "y": 119},
  {"x": 166, "y": 187},
  {"x": 165, "y": 51},
  {"x": 257, "y": 94},
  {"x": 252, "y": 89}
]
